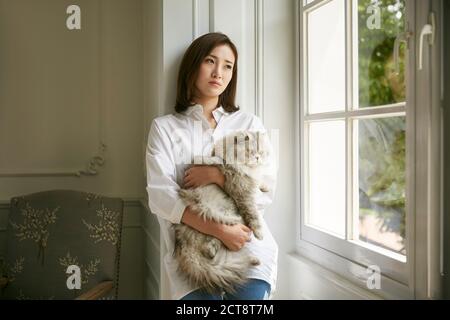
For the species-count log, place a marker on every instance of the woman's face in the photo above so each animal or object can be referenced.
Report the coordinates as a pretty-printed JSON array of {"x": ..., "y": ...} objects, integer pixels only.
[{"x": 215, "y": 72}]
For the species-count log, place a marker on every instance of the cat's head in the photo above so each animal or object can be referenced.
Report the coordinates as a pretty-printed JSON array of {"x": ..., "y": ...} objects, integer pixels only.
[{"x": 250, "y": 148}]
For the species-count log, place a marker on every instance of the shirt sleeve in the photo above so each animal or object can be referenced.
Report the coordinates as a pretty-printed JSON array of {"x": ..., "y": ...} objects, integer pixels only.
[
  {"x": 162, "y": 187},
  {"x": 270, "y": 170}
]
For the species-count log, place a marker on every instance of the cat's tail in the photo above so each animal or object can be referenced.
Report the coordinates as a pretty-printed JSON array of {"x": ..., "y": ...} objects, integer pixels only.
[{"x": 226, "y": 271}]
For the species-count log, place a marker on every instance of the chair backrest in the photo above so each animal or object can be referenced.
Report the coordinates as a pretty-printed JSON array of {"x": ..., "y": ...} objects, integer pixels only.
[{"x": 48, "y": 232}]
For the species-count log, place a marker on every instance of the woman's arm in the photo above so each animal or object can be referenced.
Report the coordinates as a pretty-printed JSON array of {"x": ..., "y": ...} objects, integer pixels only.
[
  {"x": 233, "y": 237},
  {"x": 198, "y": 176},
  {"x": 162, "y": 187}
]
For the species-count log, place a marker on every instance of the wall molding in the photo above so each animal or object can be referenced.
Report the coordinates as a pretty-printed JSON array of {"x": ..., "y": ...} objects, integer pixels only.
[
  {"x": 212, "y": 25},
  {"x": 195, "y": 19},
  {"x": 154, "y": 243},
  {"x": 259, "y": 59},
  {"x": 151, "y": 272},
  {"x": 152, "y": 292},
  {"x": 91, "y": 168},
  {"x": 153, "y": 278}
]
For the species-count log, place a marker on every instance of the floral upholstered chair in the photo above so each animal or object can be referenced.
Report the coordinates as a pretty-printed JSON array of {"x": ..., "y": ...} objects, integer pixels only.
[{"x": 62, "y": 244}]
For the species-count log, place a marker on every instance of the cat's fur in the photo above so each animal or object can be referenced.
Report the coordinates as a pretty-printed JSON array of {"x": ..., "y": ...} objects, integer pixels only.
[{"x": 203, "y": 259}]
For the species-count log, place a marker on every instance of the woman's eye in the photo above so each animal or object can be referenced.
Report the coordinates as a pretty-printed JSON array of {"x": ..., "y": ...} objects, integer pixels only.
[
  {"x": 210, "y": 60},
  {"x": 229, "y": 67}
]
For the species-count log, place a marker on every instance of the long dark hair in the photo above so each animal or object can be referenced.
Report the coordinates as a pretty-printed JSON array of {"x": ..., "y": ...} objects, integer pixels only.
[{"x": 190, "y": 65}]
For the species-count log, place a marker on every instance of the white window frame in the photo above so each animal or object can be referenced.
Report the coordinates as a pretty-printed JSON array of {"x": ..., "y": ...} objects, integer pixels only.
[{"x": 400, "y": 279}]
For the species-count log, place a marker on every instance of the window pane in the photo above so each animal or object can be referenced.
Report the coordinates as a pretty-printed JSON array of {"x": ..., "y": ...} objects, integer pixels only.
[
  {"x": 380, "y": 22},
  {"x": 382, "y": 183},
  {"x": 327, "y": 177},
  {"x": 326, "y": 58}
]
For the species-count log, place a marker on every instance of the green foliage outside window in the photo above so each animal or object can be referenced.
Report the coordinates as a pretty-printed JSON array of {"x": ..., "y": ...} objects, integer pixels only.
[
  {"x": 382, "y": 161},
  {"x": 378, "y": 83}
]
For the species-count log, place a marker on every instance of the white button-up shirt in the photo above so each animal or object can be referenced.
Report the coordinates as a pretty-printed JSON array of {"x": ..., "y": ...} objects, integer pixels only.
[{"x": 172, "y": 142}]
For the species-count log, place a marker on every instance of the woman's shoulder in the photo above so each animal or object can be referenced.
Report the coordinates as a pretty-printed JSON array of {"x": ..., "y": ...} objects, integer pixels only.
[{"x": 166, "y": 120}]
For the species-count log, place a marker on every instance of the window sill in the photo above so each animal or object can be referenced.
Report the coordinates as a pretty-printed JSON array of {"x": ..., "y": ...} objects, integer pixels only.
[{"x": 339, "y": 275}]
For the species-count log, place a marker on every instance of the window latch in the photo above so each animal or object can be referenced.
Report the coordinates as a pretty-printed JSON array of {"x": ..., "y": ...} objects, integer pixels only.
[{"x": 428, "y": 30}]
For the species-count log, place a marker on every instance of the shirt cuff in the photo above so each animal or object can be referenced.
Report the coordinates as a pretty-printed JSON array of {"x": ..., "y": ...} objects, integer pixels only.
[{"x": 177, "y": 211}]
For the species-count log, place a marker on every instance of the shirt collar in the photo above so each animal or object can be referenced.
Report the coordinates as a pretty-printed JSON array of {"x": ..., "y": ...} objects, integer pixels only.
[{"x": 198, "y": 110}]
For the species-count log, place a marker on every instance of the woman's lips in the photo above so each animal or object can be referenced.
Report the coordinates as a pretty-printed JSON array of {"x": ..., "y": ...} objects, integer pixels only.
[{"x": 215, "y": 84}]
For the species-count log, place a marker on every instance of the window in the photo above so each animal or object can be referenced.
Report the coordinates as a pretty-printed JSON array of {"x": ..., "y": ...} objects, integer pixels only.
[{"x": 354, "y": 122}]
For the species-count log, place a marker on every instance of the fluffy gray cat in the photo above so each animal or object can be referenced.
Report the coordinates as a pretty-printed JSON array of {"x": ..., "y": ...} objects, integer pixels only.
[{"x": 203, "y": 259}]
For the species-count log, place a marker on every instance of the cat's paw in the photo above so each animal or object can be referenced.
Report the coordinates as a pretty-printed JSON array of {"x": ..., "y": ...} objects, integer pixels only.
[
  {"x": 256, "y": 229},
  {"x": 258, "y": 234},
  {"x": 210, "y": 250},
  {"x": 183, "y": 193}
]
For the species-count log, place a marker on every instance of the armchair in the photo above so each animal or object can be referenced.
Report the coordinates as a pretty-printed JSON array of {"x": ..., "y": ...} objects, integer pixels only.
[{"x": 62, "y": 244}]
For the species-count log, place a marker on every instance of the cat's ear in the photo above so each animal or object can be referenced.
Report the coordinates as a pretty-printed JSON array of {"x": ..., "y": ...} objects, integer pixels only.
[
  {"x": 244, "y": 135},
  {"x": 240, "y": 136}
]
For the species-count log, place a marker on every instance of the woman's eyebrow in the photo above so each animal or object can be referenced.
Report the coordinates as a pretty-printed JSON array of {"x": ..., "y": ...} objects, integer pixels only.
[{"x": 218, "y": 58}]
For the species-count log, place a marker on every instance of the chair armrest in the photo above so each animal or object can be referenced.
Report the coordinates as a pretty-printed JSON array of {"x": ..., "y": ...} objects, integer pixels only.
[
  {"x": 97, "y": 292},
  {"x": 3, "y": 282}
]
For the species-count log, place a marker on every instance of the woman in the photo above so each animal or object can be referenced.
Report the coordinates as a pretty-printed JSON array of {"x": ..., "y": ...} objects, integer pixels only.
[{"x": 205, "y": 113}]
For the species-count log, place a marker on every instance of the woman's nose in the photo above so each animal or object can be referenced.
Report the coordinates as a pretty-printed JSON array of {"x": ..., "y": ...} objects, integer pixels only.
[{"x": 217, "y": 74}]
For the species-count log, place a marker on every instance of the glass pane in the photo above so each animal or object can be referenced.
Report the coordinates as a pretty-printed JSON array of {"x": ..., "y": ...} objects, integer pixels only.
[
  {"x": 326, "y": 58},
  {"x": 380, "y": 22},
  {"x": 382, "y": 182},
  {"x": 327, "y": 177}
]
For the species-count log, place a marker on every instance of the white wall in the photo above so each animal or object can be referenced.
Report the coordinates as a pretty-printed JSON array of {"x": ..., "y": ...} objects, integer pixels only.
[
  {"x": 61, "y": 92},
  {"x": 279, "y": 113}
]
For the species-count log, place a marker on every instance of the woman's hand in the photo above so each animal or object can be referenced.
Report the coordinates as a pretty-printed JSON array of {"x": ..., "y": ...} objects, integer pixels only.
[
  {"x": 234, "y": 237},
  {"x": 198, "y": 176}
]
